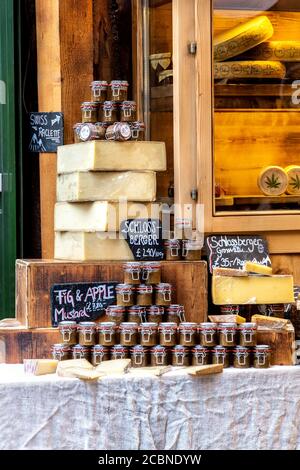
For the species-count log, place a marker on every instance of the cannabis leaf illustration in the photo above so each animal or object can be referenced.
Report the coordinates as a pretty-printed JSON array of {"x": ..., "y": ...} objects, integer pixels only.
[
  {"x": 295, "y": 182},
  {"x": 273, "y": 182}
]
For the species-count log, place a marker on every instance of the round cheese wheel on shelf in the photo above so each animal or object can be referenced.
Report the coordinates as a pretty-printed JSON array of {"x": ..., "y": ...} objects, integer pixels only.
[
  {"x": 284, "y": 51},
  {"x": 293, "y": 174},
  {"x": 249, "y": 69},
  {"x": 273, "y": 181},
  {"x": 242, "y": 38}
]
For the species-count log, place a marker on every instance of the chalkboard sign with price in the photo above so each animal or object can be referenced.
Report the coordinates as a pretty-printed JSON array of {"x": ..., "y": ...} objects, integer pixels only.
[{"x": 144, "y": 237}]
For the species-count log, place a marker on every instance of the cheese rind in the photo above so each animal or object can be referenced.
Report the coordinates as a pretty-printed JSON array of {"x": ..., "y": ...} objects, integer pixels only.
[
  {"x": 112, "y": 156},
  {"x": 94, "y": 246},
  {"x": 242, "y": 38},
  {"x": 252, "y": 290},
  {"x": 130, "y": 186},
  {"x": 40, "y": 366},
  {"x": 101, "y": 216},
  {"x": 229, "y": 272},
  {"x": 249, "y": 69},
  {"x": 256, "y": 268},
  {"x": 284, "y": 51}
]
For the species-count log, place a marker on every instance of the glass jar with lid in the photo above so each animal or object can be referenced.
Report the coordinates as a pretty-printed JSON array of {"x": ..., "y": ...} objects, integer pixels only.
[
  {"x": 119, "y": 131},
  {"x": 168, "y": 334},
  {"x": 262, "y": 356},
  {"x": 148, "y": 334},
  {"x": 88, "y": 132},
  {"x": 176, "y": 314},
  {"x": 108, "y": 112},
  {"x": 61, "y": 352},
  {"x": 155, "y": 314},
  {"x": 81, "y": 352},
  {"x": 163, "y": 294},
  {"x": 227, "y": 334},
  {"x": 208, "y": 334},
  {"x": 241, "y": 357},
  {"x": 248, "y": 334},
  {"x": 230, "y": 309},
  {"x": 107, "y": 333},
  {"x": 220, "y": 355},
  {"x": 118, "y": 90},
  {"x": 68, "y": 331},
  {"x": 192, "y": 250},
  {"x": 101, "y": 128},
  {"x": 180, "y": 356},
  {"x": 188, "y": 334},
  {"x": 138, "y": 130},
  {"x": 116, "y": 314},
  {"x": 119, "y": 352},
  {"x": 144, "y": 295},
  {"x": 99, "y": 354},
  {"x": 137, "y": 314},
  {"x": 139, "y": 356},
  {"x": 99, "y": 90},
  {"x": 76, "y": 131},
  {"x": 128, "y": 334},
  {"x": 132, "y": 273},
  {"x": 87, "y": 333},
  {"x": 172, "y": 250},
  {"x": 128, "y": 111},
  {"x": 89, "y": 111},
  {"x": 159, "y": 356},
  {"x": 125, "y": 295},
  {"x": 200, "y": 356},
  {"x": 151, "y": 273}
]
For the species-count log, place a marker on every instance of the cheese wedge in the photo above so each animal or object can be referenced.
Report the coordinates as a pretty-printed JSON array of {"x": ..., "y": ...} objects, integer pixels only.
[
  {"x": 154, "y": 371},
  {"x": 101, "y": 216},
  {"x": 284, "y": 51},
  {"x": 107, "y": 186},
  {"x": 198, "y": 371},
  {"x": 93, "y": 246},
  {"x": 293, "y": 174},
  {"x": 242, "y": 38},
  {"x": 252, "y": 290},
  {"x": 273, "y": 181},
  {"x": 40, "y": 366},
  {"x": 227, "y": 319},
  {"x": 269, "y": 322},
  {"x": 119, "y": 366},
  {"x": 78, "y": 369},
  {"x": 249, "y": 69},
  {"x": 229, "y": 272},
  {"x": 256, "y": 268},
  {"x": 112, "y": 156}
]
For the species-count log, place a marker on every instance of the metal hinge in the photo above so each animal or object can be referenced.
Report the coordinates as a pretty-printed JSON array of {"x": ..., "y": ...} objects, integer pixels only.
[
  {"x": 194, "y": 194},
  {"x": 1, "y": 182},
  {"x": 192, "y": 48}
]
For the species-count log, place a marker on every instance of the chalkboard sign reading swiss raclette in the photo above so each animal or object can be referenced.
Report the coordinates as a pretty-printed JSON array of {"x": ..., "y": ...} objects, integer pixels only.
[
  {"x": 46, "y": 132},
  {"x": 81, "y": 302},
  {"x": 232, "y": 251},
  {"x": 144, "y": 237}
]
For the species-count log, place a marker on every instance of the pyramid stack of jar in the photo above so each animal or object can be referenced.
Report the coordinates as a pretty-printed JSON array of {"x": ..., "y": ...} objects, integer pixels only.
[{"x": 109, "y": 115}]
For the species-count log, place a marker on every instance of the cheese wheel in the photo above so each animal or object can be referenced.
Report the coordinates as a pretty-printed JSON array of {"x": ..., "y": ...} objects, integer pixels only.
[
  {"x": 285, "y": 51},
  {"x": 293, "y": 174},
  {"x": 242, "y": 38},
  {"x": 249, "y": 69},
  {"x": 273, "y": 181}
]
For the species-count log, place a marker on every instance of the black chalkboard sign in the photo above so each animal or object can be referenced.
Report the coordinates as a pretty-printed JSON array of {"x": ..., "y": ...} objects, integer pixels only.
[
  {"x": 144, "y": 237},
  {"x": 232, "y": 251},
  {"x": 46, "y": 132},
  {"x": 81, "y": 302}
]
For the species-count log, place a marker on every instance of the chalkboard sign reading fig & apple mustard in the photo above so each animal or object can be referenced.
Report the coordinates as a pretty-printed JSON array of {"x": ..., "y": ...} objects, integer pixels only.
[
  {"x": 46, "y": 132},
  {"x": 232, "y": 251},
  {"x": 144, "y": 237},
  {"x": 81, "y": 302}
]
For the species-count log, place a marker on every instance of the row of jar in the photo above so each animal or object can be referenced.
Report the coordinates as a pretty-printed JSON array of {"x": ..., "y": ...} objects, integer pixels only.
[
  {"x": 187, "y": 250},
  {"x": 167, "y": 334},
  {"x": 109, "y": 112},
  {"x": 119, "y": 131},
  {"x": 116, "y": 90},
  {"x": 144, "y": 295},
  {"x": 240, "y": 357},
  {"x": 148, "y": 273}
]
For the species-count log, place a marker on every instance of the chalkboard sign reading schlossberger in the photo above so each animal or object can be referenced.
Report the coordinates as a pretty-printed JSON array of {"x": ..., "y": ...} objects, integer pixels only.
[
  {"x": 81, "y": 302},
  {"x": 144, "y": 237}
]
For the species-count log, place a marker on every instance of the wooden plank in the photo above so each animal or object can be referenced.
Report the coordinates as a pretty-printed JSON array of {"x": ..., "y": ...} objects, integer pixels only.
[
  {"x": 241, "y": 89},
  {"x": 255, "y": 200},
  {"x": 33, "y": 300},
  {"x": 284, "y": 242},
  {"x": 137, "y": 56}
]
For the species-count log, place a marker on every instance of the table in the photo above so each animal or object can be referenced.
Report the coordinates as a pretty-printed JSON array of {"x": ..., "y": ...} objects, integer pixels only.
[{"x": 239, "y": 409}]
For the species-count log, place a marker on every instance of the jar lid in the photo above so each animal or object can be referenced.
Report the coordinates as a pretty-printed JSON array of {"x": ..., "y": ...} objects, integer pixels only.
[
  {"x": 61, "y": 347},
  {"x": 119, "y": 348},
  {"x": 205, "y": 326},
  {"x": 188, "y": 326},
  {"x": 227, "y": 325},
  {"x": 193, "y": 245},
  {"x": 79, "y": 347},
  {"x": 138, "y": 125},
  {"x": 132, "y": 266},
  {"x": 144, "y": 289},
  {"x": 137, "y": 309},
  {"x": 219, "y": 349},
  {"x": 172, "y": 243},
  {"x": 115, "y": 309},
  {"x": 125, "y": 287},
  {"x": 138, "y": 349},
  {"x": 128, "y": 104},
  {"x": 158, "y": 349},
  {"x": 148, "y": 325},
  {"x": 99, "y": 348},
  {"x": 169, "y": 325},
  {"x": 67, "y": 324},
  {"x": 87, "y": 324},
  {"x": 262, "y": 347},
  {"x": 180, "y": 348},
  {"x": 250, "y": 326},
  {"x": 124, "y": 130},
  {"x": 128, "y": 326},
  {"x": 119, "y": 83},
  {"x": 89, "y": 105},
  {"x": 151, "y": 265},
  {"x": 175, "y": 308},
  {"x": 240, "y": 349},
  {"x": 106, "y": 325},
  {"x": 155, "y": 309},
  {"x": 109, "y": 105},
  {"x": 199, "y": 348},
  {"x": 99, "y": 84},
  {"x": 102, "y": 124},
  {"x": 163, "y": 287},
  {"x": 86, "y": 131}
]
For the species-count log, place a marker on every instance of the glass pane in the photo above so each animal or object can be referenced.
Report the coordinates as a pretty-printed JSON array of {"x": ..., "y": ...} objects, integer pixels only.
[
  {"x": 256, "y": 105},
  {"x": 158, "y": 86}
]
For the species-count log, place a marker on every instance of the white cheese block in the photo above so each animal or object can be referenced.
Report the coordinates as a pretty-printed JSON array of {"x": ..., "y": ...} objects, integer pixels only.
[
  {"x": 119, "y": 366},
  {"x": 112, "y": 156},
  {"x": 40, "y": 366},
  {"x": 95, "y": 246},
  {"x": 78, "y": 369},
  {"x": 130, "y": 186},
  {"x": 100, "y": 216}
]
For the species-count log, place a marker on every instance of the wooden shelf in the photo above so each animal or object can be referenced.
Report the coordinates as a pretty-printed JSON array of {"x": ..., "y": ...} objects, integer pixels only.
[
  {"x": 255, "y": 200},
  {"x": 162, "y": 98},
  {"x": 277, "y": 90}
]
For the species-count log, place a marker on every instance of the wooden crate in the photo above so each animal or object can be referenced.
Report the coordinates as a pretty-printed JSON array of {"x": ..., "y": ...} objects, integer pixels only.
[
  {"x": 282, "y": 343},
  {"x": 34, "y": 279},
  {"x": 21, "y": 343}
]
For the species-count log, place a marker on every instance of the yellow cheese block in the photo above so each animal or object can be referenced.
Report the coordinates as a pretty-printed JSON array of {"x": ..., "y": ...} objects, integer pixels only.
[
  {"x": 100, "y": 216},
  {"x": 107, "y": 186},
  {"x": 249, "y": 69},
  {"x": 293, "y": 174},
  {"x": 227, "y": 319},
  {"x": 40, "y": 366},
  {"x": 256, "y": 268},
  {"x": 273, "y": 181},
  {"x": 269, "y": 322},
  {"x": 252, "y": 290},
  {"x": 112, "y": 156},
  {"x": 242, "y": 38},
  {"x": 78, "y": 369},
  {"x": 119, "y": 366},
  {"x": 94, "y": 246},
  {"x": 285, "y": 51}
]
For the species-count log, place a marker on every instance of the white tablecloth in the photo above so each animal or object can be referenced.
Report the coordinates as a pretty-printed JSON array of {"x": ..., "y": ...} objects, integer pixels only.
[{"x": 239, "y": 409}]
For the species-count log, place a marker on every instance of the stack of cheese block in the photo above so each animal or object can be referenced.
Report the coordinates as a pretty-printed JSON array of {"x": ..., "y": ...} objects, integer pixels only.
[{"x": 100, "y": 184}]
